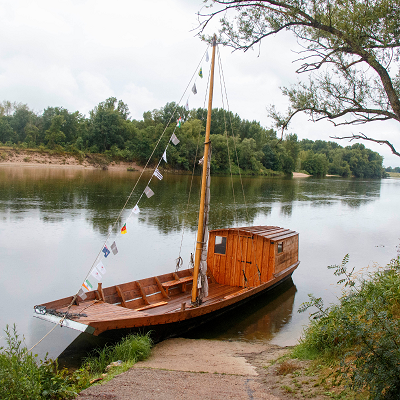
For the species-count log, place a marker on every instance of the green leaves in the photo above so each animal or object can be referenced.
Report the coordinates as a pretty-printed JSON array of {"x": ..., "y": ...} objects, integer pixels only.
[
  {"x": 349, "y": 48},
  {"x": 362, "y": 331}
]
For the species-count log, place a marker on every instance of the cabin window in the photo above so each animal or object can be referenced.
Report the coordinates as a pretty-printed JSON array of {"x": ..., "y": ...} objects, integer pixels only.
[
  {"x": 280, "y": 247},
  {"x": 220, "y": 245}
]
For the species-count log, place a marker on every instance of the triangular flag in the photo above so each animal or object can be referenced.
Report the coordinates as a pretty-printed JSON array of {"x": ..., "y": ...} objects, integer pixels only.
[
  {"x": 106, "y": 251},
  {"x": 174, "y": 139},
  {"x": 114, "y": 248},
  {"x": 194, "y": 90},
  {"x": 158, "y": 174},
  {"x": 179, "y": 122},
  {"x": 207, "y": 58},
  {"x": 82, "y": 294},
  {"x": 201, "y": 73},
  {"x": 123, "y": 229},
  {"x": 96, "y": 274},
  {"x": 187, "y": 105},
  {"x": 101, "y": 268},
  {"x": 148, "y": 192},
  {"x": 164, "y": 156},
  {"x": 136, "y": 209}
]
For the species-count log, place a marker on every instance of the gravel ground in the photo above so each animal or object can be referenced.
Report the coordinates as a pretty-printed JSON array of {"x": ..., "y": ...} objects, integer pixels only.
[{"x": 193, "y": 369}]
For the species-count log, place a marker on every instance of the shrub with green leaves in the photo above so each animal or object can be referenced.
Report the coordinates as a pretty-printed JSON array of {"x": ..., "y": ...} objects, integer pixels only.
[
  {"x": 22, "y": 376},
  {"x": 363, "y": 330}
]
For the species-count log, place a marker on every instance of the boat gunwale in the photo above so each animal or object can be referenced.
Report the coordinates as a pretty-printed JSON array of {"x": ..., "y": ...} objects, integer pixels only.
[{"x": 142, "y": 319}]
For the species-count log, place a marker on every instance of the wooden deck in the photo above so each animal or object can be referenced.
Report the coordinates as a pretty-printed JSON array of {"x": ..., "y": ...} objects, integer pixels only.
[{"x": 100, "y": 311}]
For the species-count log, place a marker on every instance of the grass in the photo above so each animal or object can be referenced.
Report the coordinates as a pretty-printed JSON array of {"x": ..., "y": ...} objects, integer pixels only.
[
  {"x": 394, "y": 174},
  {"x": 23, "y": 376}
]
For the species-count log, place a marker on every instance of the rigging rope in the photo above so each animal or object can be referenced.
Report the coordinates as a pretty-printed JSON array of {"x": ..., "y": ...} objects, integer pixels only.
[
  {"x": 126, "y": 202},
  {"x": 222, "y": 80},
  {"x": 191, "y": 180}
]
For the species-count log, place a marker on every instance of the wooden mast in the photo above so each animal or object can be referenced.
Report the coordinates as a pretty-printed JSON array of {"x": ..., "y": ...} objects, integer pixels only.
[{"x": 200, "y": 238}]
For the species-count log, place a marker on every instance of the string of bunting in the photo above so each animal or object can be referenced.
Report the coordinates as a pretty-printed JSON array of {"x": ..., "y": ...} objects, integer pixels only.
[{"x": 98, "y": 270}]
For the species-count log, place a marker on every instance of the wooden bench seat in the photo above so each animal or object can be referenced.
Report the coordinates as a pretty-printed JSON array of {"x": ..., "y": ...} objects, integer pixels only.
[{"x": 176, "y": 282}]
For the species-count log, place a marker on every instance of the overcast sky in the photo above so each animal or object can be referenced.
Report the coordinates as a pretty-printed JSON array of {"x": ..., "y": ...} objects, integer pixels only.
[{"x": 76, "y": 53}]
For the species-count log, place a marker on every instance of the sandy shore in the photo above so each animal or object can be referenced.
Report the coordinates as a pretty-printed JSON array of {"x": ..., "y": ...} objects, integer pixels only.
[
  {"x": 211, "y": 369},
  {"x": 32, "y": 159},
  {"x": 300, "y": 175}
]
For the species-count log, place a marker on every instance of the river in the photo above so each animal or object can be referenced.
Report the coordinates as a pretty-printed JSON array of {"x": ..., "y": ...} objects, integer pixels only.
[{"x": 53, "y": 222}]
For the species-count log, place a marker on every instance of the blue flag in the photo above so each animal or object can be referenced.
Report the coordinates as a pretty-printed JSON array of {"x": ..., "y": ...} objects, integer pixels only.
[{"x": 106, "y": 251}]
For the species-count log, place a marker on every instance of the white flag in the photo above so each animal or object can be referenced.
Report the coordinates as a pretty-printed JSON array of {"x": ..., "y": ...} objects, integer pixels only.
[
  {"x": 174, "y": 139},
  {"x": 158, "y": 174},
  {"x": 164, "y": 156},
  {"x": 82, "y": 294},
  {"x": 187, "y": 106},
  {"x": 207, "y": 58},
  {"x": 136, "y": 210},
  {"x": 148, "y": 192},
  {"x": 201, "y": 160},
  {"x": 96, "y": 274},
  {"x": 194, "y": 90},
  {"x": 114, "y": 248},
  {"x": 101, "y": 268}
]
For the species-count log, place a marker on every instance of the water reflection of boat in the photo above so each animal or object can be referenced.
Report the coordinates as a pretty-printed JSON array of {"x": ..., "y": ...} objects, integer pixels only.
[
  {"x": 240, "y": 264},
  {"x": 261, "y": 319}
]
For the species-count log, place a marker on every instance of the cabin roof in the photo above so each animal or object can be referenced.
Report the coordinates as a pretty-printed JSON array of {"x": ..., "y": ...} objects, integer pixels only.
[{"x": 272, "y": 233}]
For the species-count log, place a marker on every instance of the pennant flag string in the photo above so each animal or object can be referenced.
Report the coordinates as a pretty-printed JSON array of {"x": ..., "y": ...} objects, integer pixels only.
[
  {"x": 106, "y": 251},
  {"x": 174, "y": 139},
  {"x": 114, "y": 248},
  {"x": 96, "y": 274},
  {"x": 101, "y": 268},
  {"x": 118, "y": 218},
  {"x": 149, "y": 193},
  {"x": 158, "y": 174}
]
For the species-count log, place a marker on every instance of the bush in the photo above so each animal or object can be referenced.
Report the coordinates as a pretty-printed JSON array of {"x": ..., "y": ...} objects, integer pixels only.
[
  {"x": 362, "y": 331},
  {"x": 24, "y": 377}
]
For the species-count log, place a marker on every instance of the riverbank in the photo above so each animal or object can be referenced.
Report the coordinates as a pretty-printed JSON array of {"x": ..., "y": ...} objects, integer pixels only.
[
  {"x": 29, "y": 158},
  {"x": 32, "y": 158},
  {"x": 212, "y": 369}
]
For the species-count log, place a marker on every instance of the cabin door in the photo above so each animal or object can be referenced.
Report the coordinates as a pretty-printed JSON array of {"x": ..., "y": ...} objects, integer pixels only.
[{"x": 246, "y": 259}]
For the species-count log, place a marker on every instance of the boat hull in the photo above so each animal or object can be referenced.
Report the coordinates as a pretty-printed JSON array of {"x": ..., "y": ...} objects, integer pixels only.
[{"x": 85, "y": 342}]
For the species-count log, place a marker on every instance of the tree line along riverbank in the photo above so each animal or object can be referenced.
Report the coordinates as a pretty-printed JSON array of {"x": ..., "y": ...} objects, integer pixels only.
[{"x": 108, "y": 134}]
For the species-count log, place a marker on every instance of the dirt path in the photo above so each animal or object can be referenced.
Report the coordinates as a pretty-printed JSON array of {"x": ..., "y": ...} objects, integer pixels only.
[
  {"x": 194, "y": 369},
  {"x": 213, "y": 370}
]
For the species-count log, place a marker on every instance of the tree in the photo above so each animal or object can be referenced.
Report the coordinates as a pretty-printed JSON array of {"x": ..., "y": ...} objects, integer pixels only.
[
  {"x": 108, "y": 125},
  {"x": 351, "y": 49},
  {"x": 54, "y": 135}
]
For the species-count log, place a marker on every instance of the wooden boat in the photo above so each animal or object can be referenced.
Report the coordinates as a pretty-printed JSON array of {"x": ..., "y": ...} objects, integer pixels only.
[{"x": 240, "y": 263}]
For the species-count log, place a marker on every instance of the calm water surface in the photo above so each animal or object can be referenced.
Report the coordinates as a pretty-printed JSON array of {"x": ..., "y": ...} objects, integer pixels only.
[{"x": 53, "y": 223}]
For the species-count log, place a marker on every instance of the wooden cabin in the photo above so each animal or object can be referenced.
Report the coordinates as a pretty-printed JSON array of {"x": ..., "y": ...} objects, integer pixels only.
[{"x": 248, "y": 257}]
